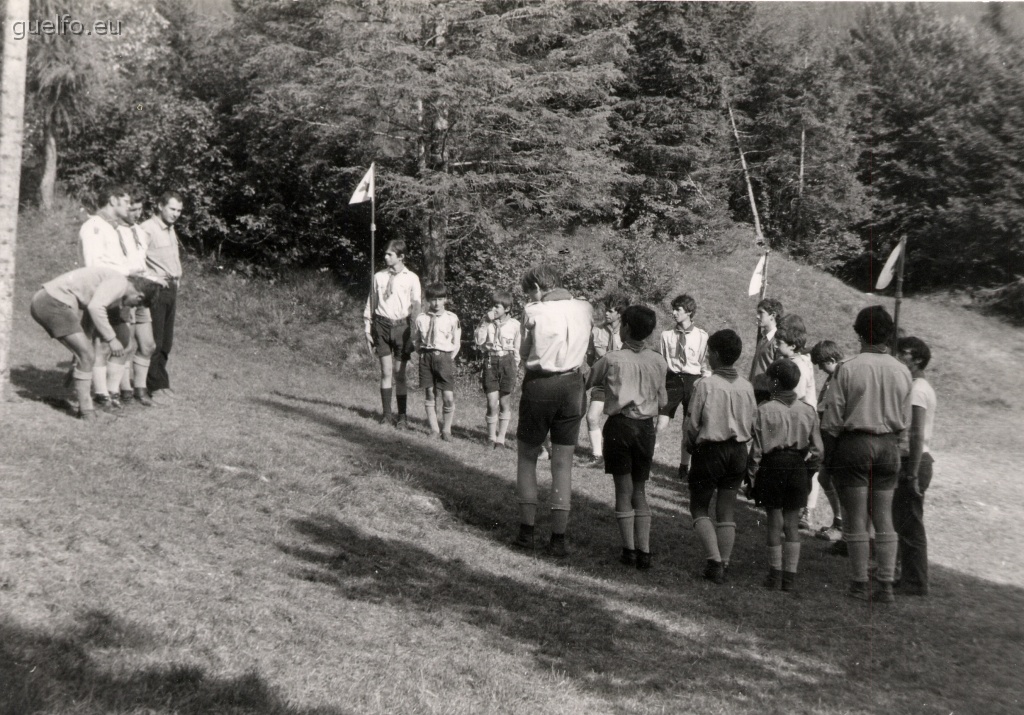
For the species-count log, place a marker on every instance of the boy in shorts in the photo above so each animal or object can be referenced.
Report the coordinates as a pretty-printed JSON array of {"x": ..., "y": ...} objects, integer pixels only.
[
  {"x": 603, "y": 339},
  {"x": 556, "y": 334},
  {"x": 632, "y": 380},
  {"x": 393, "y": 303},
  {"x": 685, "y": 349},
  {"x": 437, "y": 337},
  {"x": 826, "y": 356},
  {"x": 786, "y": 437},
  {"x": 717, "y": 431},
  {"x": 498, "y": 335}
]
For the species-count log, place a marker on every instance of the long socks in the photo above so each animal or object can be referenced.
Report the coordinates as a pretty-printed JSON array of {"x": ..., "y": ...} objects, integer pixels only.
[
  {"x": 503, "y": 420},
  {"x": 595, "y": 442},
  {"x": 726, "y": 534},
  {"x": 385, "y": 400},
  {"x": 790, "y": 556},
  {"x": 885, "y": 552},
  {"x": 627, "y": 521},
  {"x": 706, "y": 533},
  {"x": 642, "y": 532}
]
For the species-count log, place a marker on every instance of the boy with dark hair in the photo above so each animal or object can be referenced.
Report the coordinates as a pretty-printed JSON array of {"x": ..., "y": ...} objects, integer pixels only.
[
  {"x": 790, "y": 339},
  {"x": 394, "y": 299},
  {"x": 786, "y": 437},
  {"x": 633, "y": 385},
  {"x": 498, "y": 335},
  {"x": 717, "y": 431},
  {"x": 769, "y": 313},
  {"x": 437, "y": 337},
  {"x": 556, "y": 334},
  {"x": 915, "y": 472},
  {"x": 603, "y": 339},
  {"x": 685, "y": 349},
  {"x": 867, "y": 411},
  {"x": 826, "y": 356}
]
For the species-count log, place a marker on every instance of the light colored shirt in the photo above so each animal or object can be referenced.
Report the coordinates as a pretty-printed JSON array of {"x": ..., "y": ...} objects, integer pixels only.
[
  {"x": 603, "y": 339},
  {"x": 556, "y": 332},
  {"x": 499, "y": 338},
  {"x": 722, "y": 408},
  {"x": 807, "y": 389},
  {"x": 686, "y": 351},
  {"x": 870, "y": 393},
  {"x": 160, "y": 244},
  {"x": 93, "y": 290},
  {"x": 633, "y": 380},
  {"x": 101, "y": 244},
  {"x": 438, "y": 331},
  {"x": 921, "y": 395},
  {"x": 131, "y": 236},
  {"x": 394, "y": 294},
  {"x": 784, "y": 424}
]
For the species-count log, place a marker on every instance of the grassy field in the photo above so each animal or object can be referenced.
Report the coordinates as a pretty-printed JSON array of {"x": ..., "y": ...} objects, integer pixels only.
[{"x": 263, "y": 546}]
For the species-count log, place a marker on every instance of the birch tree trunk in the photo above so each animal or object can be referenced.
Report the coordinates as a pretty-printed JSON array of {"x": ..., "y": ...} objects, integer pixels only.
[
  {"x": 12, "y": 120},
  {"x": 49, "y": 178}
]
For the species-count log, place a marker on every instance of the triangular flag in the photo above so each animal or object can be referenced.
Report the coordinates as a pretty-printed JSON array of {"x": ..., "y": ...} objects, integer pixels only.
[
  {"x": 889, "y": 269},
  {"x": 365, "y": 190},
  {"x": 757, "y": 280}
]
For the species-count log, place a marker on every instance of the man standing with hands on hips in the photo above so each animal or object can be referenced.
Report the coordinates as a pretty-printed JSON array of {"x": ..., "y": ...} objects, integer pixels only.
[{"x": 163, "y": 260}]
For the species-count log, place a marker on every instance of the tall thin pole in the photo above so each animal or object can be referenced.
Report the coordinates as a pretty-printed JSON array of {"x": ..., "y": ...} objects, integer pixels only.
[
  {"x": 746, "y": 175},
  {"x": 899, "y": 292}
]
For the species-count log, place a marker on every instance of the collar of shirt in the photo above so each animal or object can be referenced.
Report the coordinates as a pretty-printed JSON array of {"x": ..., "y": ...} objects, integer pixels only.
[
  {"x": 786, "y": 397},
  {"x": 729, "y": 373},
  {"x": 634, "y": 345},
  {"x": 768, "y": 337},
  {"x": 686, "y": 331},
  {"x": 556, "y": 294},
  {"x": 875, "y": 349}
]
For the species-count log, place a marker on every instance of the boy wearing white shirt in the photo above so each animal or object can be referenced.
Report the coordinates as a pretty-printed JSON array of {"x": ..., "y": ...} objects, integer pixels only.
[
  {"x": 437, "y": 338},
  {"x": 499, "y": 336}
]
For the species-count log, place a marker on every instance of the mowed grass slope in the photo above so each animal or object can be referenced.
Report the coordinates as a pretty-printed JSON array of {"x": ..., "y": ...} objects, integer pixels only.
[{"x": 265, "y": 547}]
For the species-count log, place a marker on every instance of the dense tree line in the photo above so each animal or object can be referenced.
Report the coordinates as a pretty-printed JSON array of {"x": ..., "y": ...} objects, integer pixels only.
[{"x": 497, "y": 123}]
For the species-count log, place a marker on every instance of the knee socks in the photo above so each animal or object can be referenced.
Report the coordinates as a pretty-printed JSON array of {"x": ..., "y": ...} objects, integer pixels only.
[
  {"x": 115, "y": 371},
  {"x": 706, "y": 533},
  {"x": 492, "y": 428},
  {"x": 812, "y": 498},
  {"x": 402, "y": 399},
  {"x": 627, "y": 521},
  {"x": 140, "y": 370},
  {"x": 790, "y": 556},
  {"x": 642, "y": 531},
  {"x": 595, "y": 443},
  {"x": 775, "y": 557},
  {"x": 448, "y": 415},
  {"x": 503, "y": 420},
  {"x": 859, "y": 550},
  {"x": 99, "y": 380},
  {"x": 431, "y": 409},
  {"x": 885, "y": 552},
  {"x": 559, "y": 520},
  {"x": 385, "y": 399},
  {"x": 83, "y": 389},
  {"x": 726, "y": 534}
]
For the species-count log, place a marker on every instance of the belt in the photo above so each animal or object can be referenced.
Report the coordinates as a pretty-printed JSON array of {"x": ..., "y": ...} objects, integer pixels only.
[
  {"x": 549, "y": 373},
  {"x": 499, "y": 353},
  {"x": 435, "y": 350},
  {"x": 388, "y": 321}
]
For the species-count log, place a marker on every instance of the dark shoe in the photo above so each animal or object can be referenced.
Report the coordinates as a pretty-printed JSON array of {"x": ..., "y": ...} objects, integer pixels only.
[
  {"x": 127, "y": 397},
  {"x": 684, "y": 472},
  {"x": 445, "y": 436},
  {"x": 594, "y": 463},
  {"x": 805, "y": 520},
  {"x": 909, "y": 589},
  {"x": 643, "y": 560},
  {"x": 883, "y": 592},
  {"x": 115, "y": 402},
  {"x": 628, "y": 557},
  {"x": 773, "y": 580},
  {"x": 103, "y": 404},
  {"x": 402, "y": 422},
  {"x": 387, "y": 419},
  {"x": 142, "y": 397},
  {"x": 557, "y": 547},
  {"x": 714, "y": 572},
  {"x": 788, "y": 581},
  {"x": 525, "y": 538},
  {"x": 839, "y": 548},
  {"x": 860, "y": 590}
]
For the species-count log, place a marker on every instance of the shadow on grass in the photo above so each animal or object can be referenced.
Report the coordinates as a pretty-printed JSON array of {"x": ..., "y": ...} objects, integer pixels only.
[
  {"x": 667, "y": 630},
  {"x": 39, "y": 385},
  {"x": 56, "y": 672}
]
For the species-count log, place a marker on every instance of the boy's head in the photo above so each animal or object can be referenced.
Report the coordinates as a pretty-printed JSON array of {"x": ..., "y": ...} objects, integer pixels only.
[
  {"x": 638, "y": 322},
  {"x": 501, "y": 302},
  {"x": 436, "y": 294},
  {"x": 724, "y": 348},
  {"x": 826, "y": 355},
  {"x": 538, "y": 280},
  {"x": 144, "y": 291},
  {"x": 784, "y": 374},
  {"x": 913, "y": 352},
  {"x": 394, "y": 252},
  {"x": 791, "y": 335},
  {"x": 874, "y": 325},
  {"x": 769, "y": 312},
  {"x": 683, "y": 308},
  {"x": 615, "y": 304}
]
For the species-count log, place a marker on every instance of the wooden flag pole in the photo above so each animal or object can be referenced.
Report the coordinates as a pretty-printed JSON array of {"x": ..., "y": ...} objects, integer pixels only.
[{"x": 899, "y": 293}]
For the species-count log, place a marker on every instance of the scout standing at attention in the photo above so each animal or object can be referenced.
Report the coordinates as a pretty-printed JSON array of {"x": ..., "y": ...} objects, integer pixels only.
[
  {"x": 556, "y": 333},
  {"x": 769, "y": 313},
  {"x": 394, "y": 298},
  {"x": 786, "y": 434},
  {"x": 717, "y": 431},
  {"x": 437, "y": 339},
  {"x": 633, "y": 380},
  {"x": 498, "y": 335},
  {"x": 685, "y": 349},
  {"x": 603, "y": 339}
]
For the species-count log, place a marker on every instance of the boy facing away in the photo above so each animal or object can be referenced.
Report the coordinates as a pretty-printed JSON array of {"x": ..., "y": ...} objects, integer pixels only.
[
  {"x": 685, "y": 349},
  {"x": 717, "y": 431},
  {"x": 786, "y": 436},
  {"x": 437, "y": 337},
  {"x": 498, "y": 335},
  {"x": 632, "y": 380}
]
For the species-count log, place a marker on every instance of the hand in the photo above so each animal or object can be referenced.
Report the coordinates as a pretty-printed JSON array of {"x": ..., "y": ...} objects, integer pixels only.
[
  {"x": 914, "y": 486},
  {"x": 116, "y": 348},
  {"x": 369, "y": 343}
]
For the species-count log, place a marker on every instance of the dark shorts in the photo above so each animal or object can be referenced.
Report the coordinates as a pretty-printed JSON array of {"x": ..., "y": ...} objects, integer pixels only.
[
  {"x": 551, "y": 403},
  {"x": 680, "y": 390},
  {"x": 782, "y": 481},
  {"x": 391, "y": 337},
  {"x": 500, "y": 373},
  {"x": 437, "y": 369},
  {"x": 629, "y": 446},
  {"x": 58, "y": 319},
  {"x": 860, "y": 459},
  {"x": 716, "y": 465}
]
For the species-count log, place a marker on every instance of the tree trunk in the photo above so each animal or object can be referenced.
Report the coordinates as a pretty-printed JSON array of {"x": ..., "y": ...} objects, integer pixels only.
[
  {"x": 12, "y": 124},
  {"x": 434, "y": 233},
  {"x": 49, "y": 179}
]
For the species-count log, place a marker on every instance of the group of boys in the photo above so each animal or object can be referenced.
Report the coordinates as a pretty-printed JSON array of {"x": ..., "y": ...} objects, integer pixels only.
[{"x": 773, "y": 430}]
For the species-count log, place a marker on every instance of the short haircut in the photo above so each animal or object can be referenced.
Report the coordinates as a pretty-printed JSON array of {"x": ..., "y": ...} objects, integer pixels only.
[
  {"x": 727, "y": 344},
  {"x": 435, "y": 290},
  {"x": 165, "y": 198},
  {"x": 824, "y": 351},
  {"x": 918, "y": 349},
  {"x": 503, "y": 297},
  {"x": 149, "y": 288},
  {"x": 785, "y": 372},
  {"x": 615, "y": 300},
  {"x": 874, "y": 325},
  {"x": 110, "y": 191},
  {"x": 772, "y": 306},
  {"x": 640, "y": 320},
  {"x": 397, "y": 246},
  {"x": 544, "y": 276},
  {"x": 685, "y": 302},
  {"x": 792, "y": 331}
]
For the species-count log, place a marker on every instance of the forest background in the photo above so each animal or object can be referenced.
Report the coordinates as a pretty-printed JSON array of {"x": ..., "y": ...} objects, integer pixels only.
[{"x": 499, "y": 128}]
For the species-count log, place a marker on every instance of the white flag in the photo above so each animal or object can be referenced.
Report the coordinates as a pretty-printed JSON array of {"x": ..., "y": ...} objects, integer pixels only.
[
  {"x": 365, "y": 190},
  {"x": 757, "y": 280},
  {"x": 889, "y": 269}
]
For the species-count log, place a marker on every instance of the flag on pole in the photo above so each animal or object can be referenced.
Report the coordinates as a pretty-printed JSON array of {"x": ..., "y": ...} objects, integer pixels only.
[
  {"x": 889, "y": 269},
  {"x": 365, "y": 190},
  {"x": 757, "y": 280}
]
